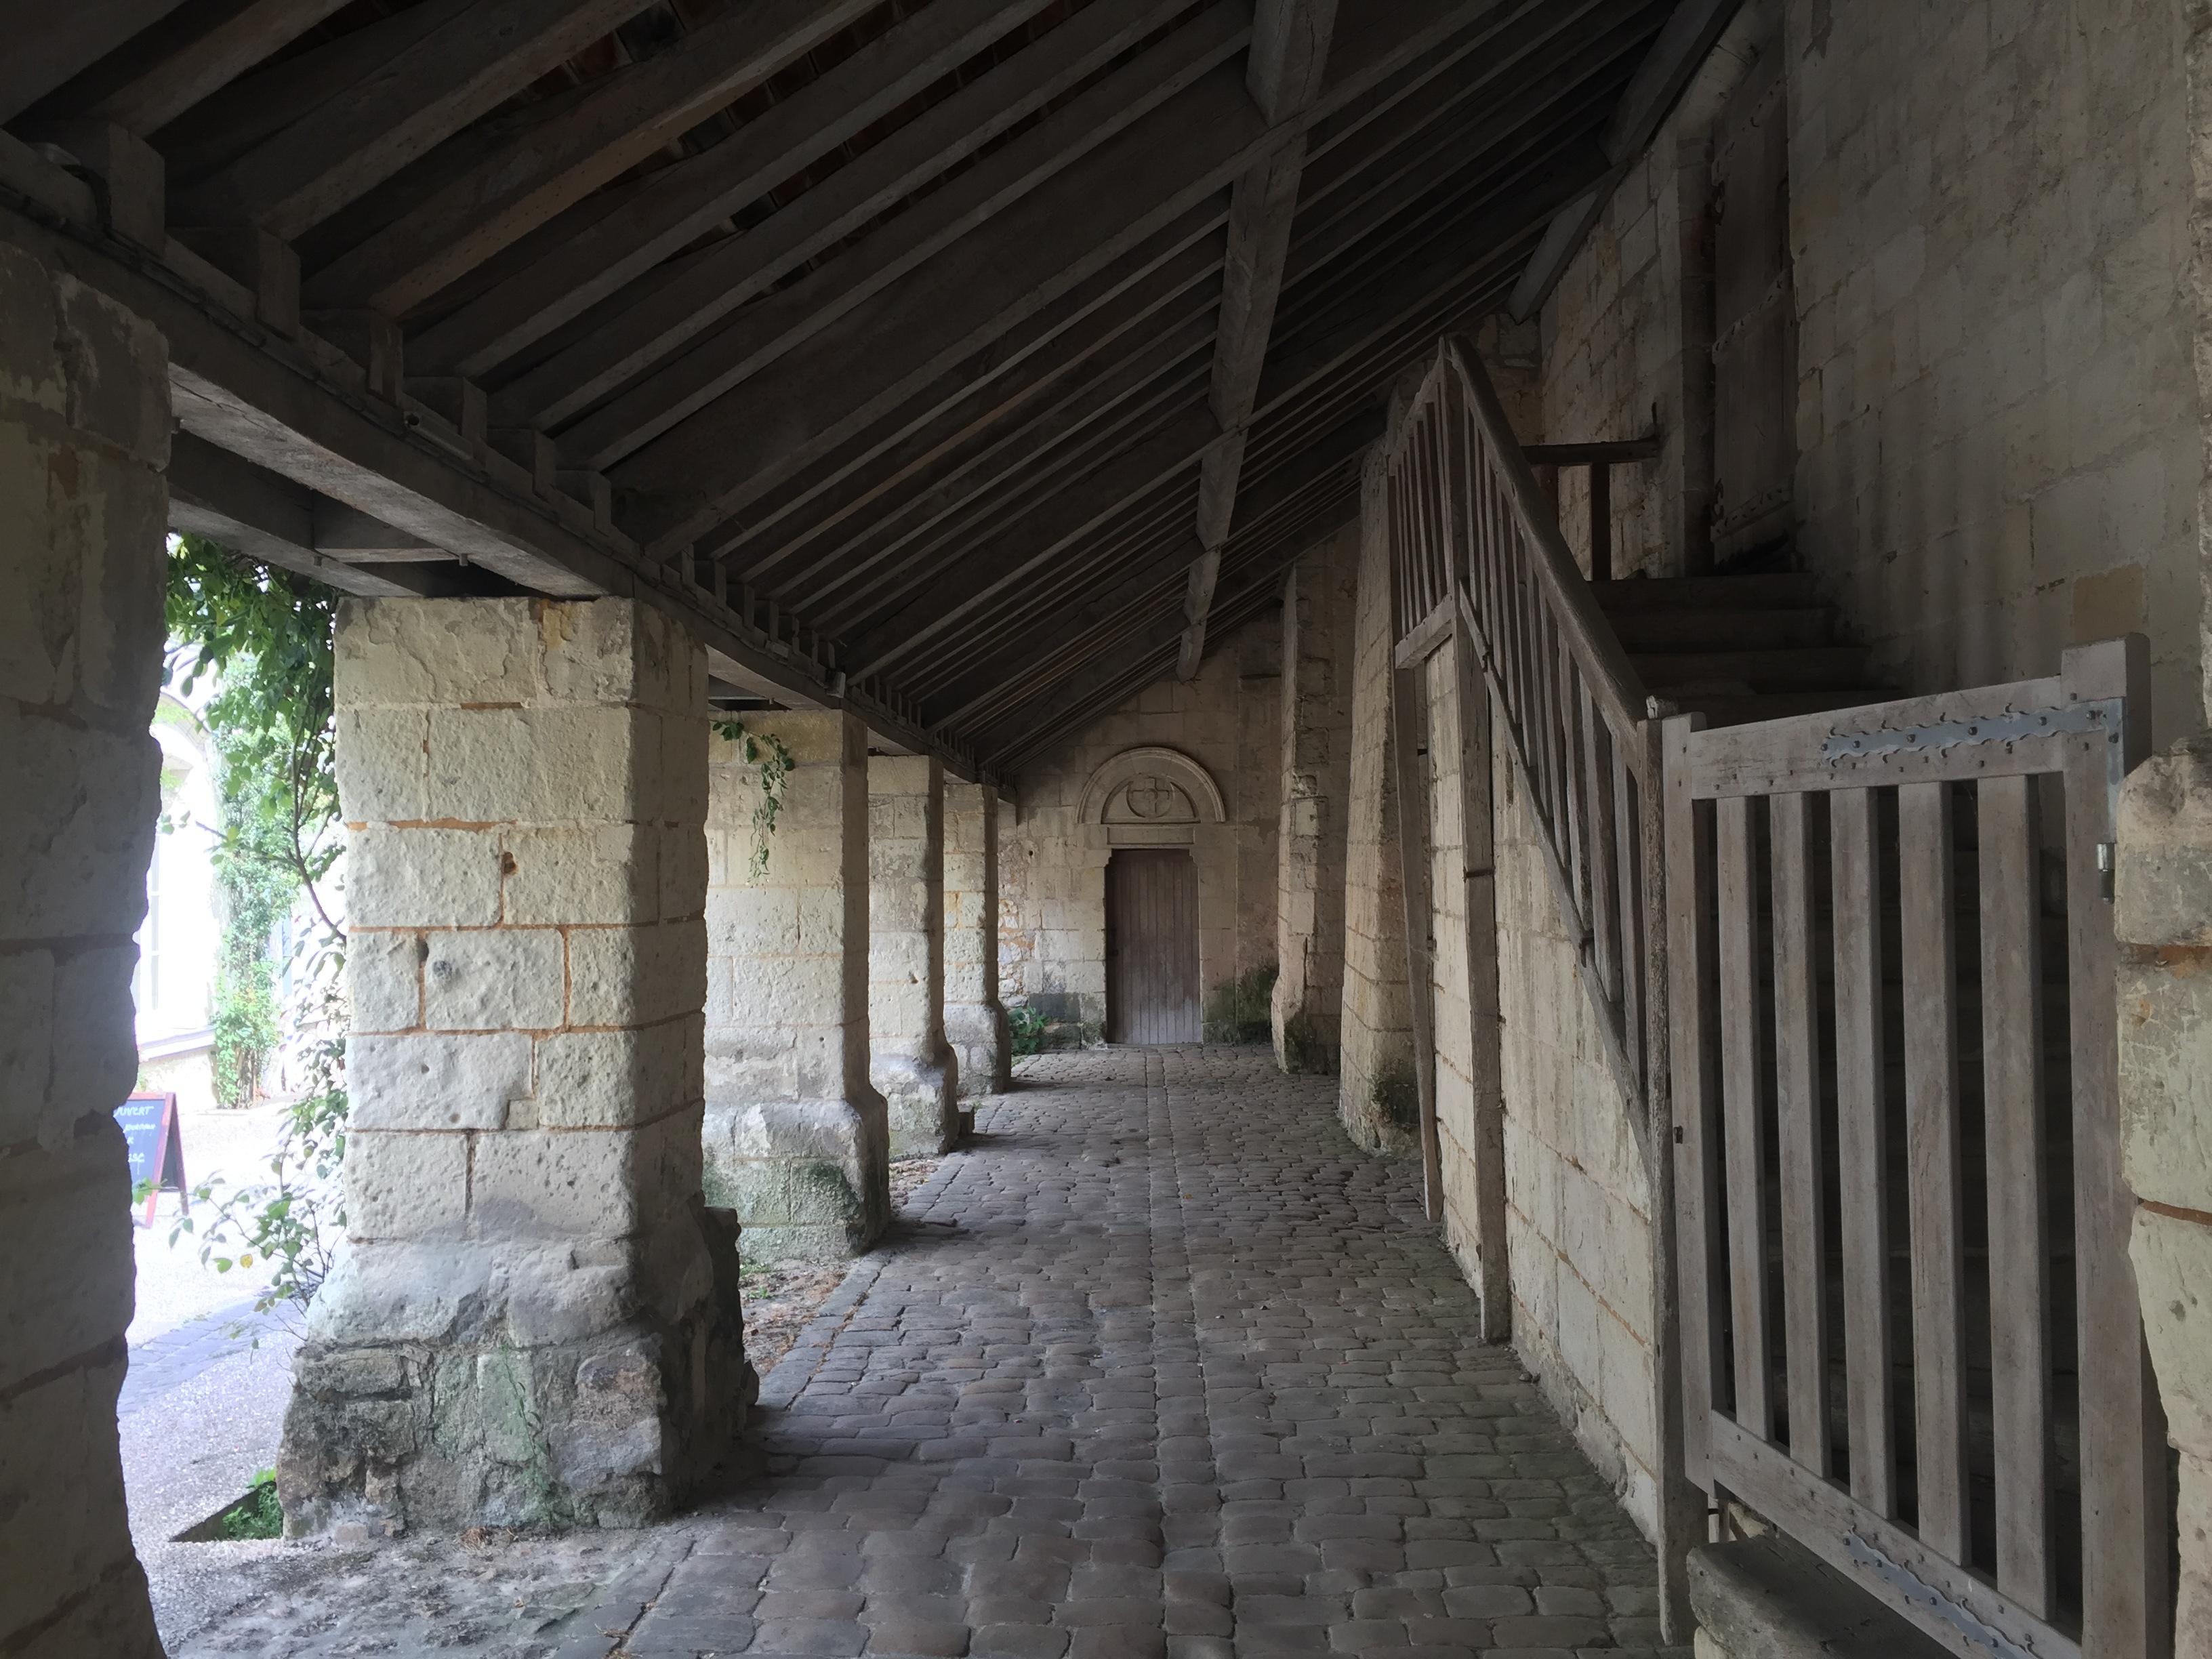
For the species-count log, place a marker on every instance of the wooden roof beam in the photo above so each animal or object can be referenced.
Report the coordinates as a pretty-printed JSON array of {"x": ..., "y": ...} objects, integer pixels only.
[
  {"x": 189, "y": 55},
  {"x": 46, "y": 46},
  {"x": 1290, "y": 47},
  {"x": 1065, "y": 150},
  {"x": 364, "y": 130},
  {"x": 724, "y": 457},
  {"x": 1690, "y": 32},
  {"x": 613, "y": 124},
  {"x": 672, "y": 209}
]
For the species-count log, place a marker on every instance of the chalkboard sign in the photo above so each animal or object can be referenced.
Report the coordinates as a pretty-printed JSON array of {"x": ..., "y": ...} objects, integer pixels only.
[{"x": 157, "y": 1141}]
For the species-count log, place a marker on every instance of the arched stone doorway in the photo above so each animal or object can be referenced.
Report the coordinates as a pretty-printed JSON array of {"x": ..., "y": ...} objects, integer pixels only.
[{"x": 1168, "y": 896}]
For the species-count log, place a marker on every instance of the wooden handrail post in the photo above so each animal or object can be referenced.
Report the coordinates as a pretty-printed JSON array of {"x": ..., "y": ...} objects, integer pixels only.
[{"x": 1601, "y": 521}]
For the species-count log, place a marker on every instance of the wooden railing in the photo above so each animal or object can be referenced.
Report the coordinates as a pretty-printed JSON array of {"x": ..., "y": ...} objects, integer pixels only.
[
  {"x": 1909, "y": 1327},
  {"x": 1477, "y": 557}
]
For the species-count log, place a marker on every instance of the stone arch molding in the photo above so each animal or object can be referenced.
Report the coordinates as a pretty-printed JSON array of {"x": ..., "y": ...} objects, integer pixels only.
[{"x": 1172, "y": 766}]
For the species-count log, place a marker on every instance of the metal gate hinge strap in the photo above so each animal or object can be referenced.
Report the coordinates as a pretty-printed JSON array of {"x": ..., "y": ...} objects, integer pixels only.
[
  {"x": 1919, "y": 1591},
  {"x": 1949, "y": 734}
]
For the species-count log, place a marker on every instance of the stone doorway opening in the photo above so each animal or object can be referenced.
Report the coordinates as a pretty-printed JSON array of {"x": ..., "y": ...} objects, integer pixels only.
[{"x": 1151, "y": 945}]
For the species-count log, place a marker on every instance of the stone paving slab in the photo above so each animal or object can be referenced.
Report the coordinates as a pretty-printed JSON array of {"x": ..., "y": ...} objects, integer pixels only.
[{"x": 1162, "y": 1367}]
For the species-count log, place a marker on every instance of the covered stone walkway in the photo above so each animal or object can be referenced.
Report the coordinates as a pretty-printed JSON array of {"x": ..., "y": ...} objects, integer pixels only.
[{"x": 1161, "y": 1365}]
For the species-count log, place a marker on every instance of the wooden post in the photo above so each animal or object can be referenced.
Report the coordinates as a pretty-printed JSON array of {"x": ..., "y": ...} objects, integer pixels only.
[
  {"x": 1601, "y": 521},
  {"x": 1407, "y": 728},
  {"x": 1478, "y": 838}
]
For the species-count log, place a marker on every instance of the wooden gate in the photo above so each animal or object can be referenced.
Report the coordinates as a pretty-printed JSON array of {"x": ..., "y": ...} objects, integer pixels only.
[
  {"x": 1152, "y": 946},
  {"x": 1910, "y": 1333}
]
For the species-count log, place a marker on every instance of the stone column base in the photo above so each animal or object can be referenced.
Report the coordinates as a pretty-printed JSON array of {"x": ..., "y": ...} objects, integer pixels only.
[
  {"x": 984, "y": 1044},
  {"x": 921, "y": 1099},
  {"x": 811, "y": 1175},
  {"x": 521, "y": 1385}
]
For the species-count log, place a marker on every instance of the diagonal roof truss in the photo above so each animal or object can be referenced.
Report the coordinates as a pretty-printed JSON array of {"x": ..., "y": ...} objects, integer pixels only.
[{"x": 969, "y": 362}]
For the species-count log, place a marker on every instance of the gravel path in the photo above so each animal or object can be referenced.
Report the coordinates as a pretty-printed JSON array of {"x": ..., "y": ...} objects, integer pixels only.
[{"x": 1160, "y": 1365}]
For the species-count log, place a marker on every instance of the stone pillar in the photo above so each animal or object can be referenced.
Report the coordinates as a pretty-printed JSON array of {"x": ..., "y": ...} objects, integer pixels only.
[
  {"x": 537, "y": 1321},
  {"x": 797, "y": 1140},
  {"x": 909, "y": 1061},
  {"x": 974, "y": 1019},
  {"x": 84, "y": 433},
  {"x": 2163, "y": 916},
  {"x": 1378, "y": 1097},
  {"x": 1306, "y": 1007}
]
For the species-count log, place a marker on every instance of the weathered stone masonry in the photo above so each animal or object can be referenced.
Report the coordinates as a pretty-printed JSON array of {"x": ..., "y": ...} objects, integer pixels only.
[
  {"x": 797, "y": 1137},
  {"x": 909, "y": 1063},
  {"x": 84, "y": 432},
  {"x": 974, "y": 1019},
  {"x": 538, "y": 1318}
]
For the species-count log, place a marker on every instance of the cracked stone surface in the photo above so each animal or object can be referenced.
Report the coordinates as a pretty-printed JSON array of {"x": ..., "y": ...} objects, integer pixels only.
[{"x": 1159, "y": 1366}]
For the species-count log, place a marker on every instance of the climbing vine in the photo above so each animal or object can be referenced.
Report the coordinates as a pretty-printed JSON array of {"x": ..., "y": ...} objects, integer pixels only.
[
  {"x": 263, "y": 639},
  {"x": 766, "y": 751}
]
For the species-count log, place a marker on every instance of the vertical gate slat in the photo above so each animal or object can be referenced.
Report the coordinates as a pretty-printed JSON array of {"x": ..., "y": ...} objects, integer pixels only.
[
  {"x": 1628, "y": 853},
  {"x": 1693, "y": 1064},
  {"x": 1797, "y": 1127},
  {"x": 1741, "y": 1068},
  {"x": 2127, "y": 1593},
  {"x": 2012, "y": 1105},
  {"x": 1928, "y": 932},
  {"x": 1863, "y": 1143}
]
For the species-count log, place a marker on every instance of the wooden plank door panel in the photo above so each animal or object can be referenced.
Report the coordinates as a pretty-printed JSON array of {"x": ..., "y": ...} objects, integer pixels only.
[{"x": 1152, "y": 946}]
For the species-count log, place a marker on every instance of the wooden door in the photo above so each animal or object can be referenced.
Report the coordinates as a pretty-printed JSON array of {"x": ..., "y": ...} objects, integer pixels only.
[{"x": 1152, "y": 946}]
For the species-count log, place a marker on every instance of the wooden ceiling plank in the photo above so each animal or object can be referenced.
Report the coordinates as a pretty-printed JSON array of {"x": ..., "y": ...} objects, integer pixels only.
[
  {"x": 878, "y": 356},
  {"x": 986, "y": 462},
  {"x": 1064, "y": 150},
  {"x": 687, "y": 200},
  {"x": 48, "y": 46},
  {"x": 1262, "y": 497},
  {"x": 620, "y": 120},
  {"x": 1117, "y": 308},
  {"x": 716, "y": 462},
  {"x": 189, "y": 55},
  {"x": 1048, "y": 460},
  {"x": 957, "y": 590},
  {"x": 368, "y": 131}
]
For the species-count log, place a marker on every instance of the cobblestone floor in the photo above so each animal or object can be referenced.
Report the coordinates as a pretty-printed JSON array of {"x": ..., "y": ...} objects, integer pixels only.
[{"x": 1161, "y": 1366}]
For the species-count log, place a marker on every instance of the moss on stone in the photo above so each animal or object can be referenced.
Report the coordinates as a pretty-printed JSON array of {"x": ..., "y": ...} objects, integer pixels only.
[{"x": 1236, "y": 1010}]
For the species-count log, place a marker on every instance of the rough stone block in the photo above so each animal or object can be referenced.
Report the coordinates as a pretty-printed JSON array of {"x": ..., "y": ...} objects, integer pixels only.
[
  {"x": 589, "y": 1079},
  {"x": 384, "y": 979},
  {"x": 2162, "y": 888},
  {"x": 407, "y": 652},
  {"x": 579, "y": 875},
  {"x": 558, "y": 765},
  {"x": 423, "y": 877},
  {"x": 496, "y": 980},
  {"x": 80, "y": 810},
  {"x": 636, "y": 976},
  {"x": 2172, "y": 1258},
  {"x": 425, "y": 1081},
  {"x": 2166, "y": 1074},
  {"x": 382, "y": 764},
  {"x": 405, "y": 1185}
]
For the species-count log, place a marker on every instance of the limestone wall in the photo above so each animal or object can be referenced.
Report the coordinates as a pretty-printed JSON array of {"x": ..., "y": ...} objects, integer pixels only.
[
  {"x": 1052, "y": 915},
  {"x": 1578, "y": 1202},
  {"x": 1317, "y": 760},
  {"x": 1378, "y": 1099},
  {"x": 975, "y": 1020},
  {"x": 84, "y": 432},
  {"x": 1996, "y": 412}
]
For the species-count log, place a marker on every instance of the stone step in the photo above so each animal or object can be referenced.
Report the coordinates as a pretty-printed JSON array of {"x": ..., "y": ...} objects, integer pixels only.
[
  {"x": 1788, "y": 590},
  {"x": 1732, "y": 629}
]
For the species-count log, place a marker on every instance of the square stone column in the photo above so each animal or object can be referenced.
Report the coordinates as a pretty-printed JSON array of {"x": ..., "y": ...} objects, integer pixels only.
[
  {"x": 909, "y": 1063},
  {"x": 84, "y": 433},
  {"x": 537, "y": 1321},
  {"x": 2163, "y": 917},
  {"x": 975, "y": 1020},
  {"x": 797, "y": 1141},
  {"x": 1306, "y": 1008}
]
